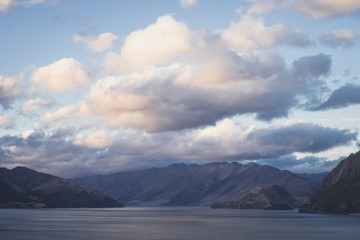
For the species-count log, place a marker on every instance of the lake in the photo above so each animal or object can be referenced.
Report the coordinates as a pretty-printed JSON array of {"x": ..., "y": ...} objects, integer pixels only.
[{"x": 173, "y": 223}]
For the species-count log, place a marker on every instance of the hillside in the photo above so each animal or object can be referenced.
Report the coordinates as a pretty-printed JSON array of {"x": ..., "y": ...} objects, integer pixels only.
[
  {"x": 267, "y": 198},
  {"x": 25, "y": 188}
]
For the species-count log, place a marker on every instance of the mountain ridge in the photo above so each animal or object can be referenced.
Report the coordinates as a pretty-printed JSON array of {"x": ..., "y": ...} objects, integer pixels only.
[{"x": 199, "y": 185}]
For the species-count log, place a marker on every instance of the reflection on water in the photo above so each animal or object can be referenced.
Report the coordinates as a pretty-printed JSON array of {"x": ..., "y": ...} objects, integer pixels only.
[{"x": 173, "y": 223}]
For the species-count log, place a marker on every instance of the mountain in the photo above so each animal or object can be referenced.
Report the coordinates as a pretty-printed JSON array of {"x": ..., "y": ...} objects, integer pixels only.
[
  {"x": 187, "y": 185},
  {"x": 340, "y": 190},
  {"x": 25, "y": 188},
  {"x": 314, "y": 177},
  {"x": 267, "y": 198}
]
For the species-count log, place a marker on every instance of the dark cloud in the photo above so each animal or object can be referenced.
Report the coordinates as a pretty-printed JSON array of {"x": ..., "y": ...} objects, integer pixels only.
[
  {"x": 9, "y": 90},
  {"x": 43, "y": 151},
  {"x": 296, "y": 39},
  {"x": 312, "y": 66},
  {"x": 302, "y": 137},
  {"x": 342, "y": 97},
  {"x": 341, "y": 38},
  {"x": 8, "y": 140},
  {"x": 308, "y": 164}
]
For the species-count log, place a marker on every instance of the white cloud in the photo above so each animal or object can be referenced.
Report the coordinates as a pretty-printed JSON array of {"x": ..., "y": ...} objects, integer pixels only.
[
  {"x": 99, "y": 44},
  {"x": 9, "y": 90},
  {"x": 317, "y": 9},
  {"x": 61, "y": 75},
  {"x": 33, "y": 104},
  {"x": 6, "y": 5},
  {"x": 108, "y": 95},
  {"x": 27, "y": 133},
  {"x": 188, "y": 3},
  {"x": 157, "y": 43},
  {"x": 98, "y": 139},
  {"x": 66, "y": 113},
  {"x": 6, "y": 122},
  {"x": 119, "y": 100},
  {"x": 250, "y": 33},
  {"x": 340, "y": 38}
]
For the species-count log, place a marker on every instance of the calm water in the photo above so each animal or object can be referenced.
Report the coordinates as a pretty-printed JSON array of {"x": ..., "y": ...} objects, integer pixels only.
[{"x": 173, "y": 223}]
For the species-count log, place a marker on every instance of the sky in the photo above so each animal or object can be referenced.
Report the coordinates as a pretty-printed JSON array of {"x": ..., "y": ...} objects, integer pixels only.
[{"x": 97, "y": 87}]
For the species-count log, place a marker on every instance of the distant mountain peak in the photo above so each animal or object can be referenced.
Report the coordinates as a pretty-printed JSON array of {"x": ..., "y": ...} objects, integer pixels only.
[{"x": 253, "y": 164}]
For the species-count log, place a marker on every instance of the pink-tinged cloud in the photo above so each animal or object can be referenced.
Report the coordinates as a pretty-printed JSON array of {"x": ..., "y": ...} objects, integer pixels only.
[{"x": 61, "y": 75}]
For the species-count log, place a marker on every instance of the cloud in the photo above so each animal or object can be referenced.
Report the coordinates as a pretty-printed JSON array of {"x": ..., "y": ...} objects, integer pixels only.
[
  {"x": 9, "y": 90},
  {"x": 312, "y": 66},
  {"x": 221, "y": 84},
  {"x": 64, "y": 114},
  {"x": 342, "y": 97},
  {"x": 69, "y": 153},
  {"x": 6, "y": 5},
  {"x": 98, "y": 139},
  {"x": 340, "y": 38},
  {"x": 41, "y": 150},
  {"x": 188, "y": 3},
  {"x": 251, "y": 33},
  {"x": 99, "y": 44},
  {"x": 301, "y": 137},
  {"x": 33, "y": 104},
  {"x": 308, "y": 164},
  {"x": 6, "y": 122},
  {"x": 157, "y": 43},
  {"x": 317, "y": 9},
  {"x": 61, "y": 75},
  {"x": 240, "y": 142},
  {"x": 229, "y": 141},
  {"x": 174, "y": 78}
]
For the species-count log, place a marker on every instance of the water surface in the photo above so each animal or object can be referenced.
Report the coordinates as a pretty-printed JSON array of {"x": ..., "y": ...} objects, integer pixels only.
[{"x": 173, "y": 223}]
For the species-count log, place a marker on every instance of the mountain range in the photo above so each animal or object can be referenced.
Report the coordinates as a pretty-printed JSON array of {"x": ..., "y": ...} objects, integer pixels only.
[
  {"x": 220, "y": 185},
  {"x": 25, "y": 188},
  {"x": 196, "y": 185}
]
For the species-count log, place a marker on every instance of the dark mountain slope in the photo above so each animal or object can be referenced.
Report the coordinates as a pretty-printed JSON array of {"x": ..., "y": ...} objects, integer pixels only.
[
  {"x": 10, "y": 192},
  {"x": 182, "y": 185},
  {"x": 26, "y": 188},
  {"x": 25, "y": 178},
  {"x": 268, "y": 198},
  {"x": 340, "y": 190}
]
